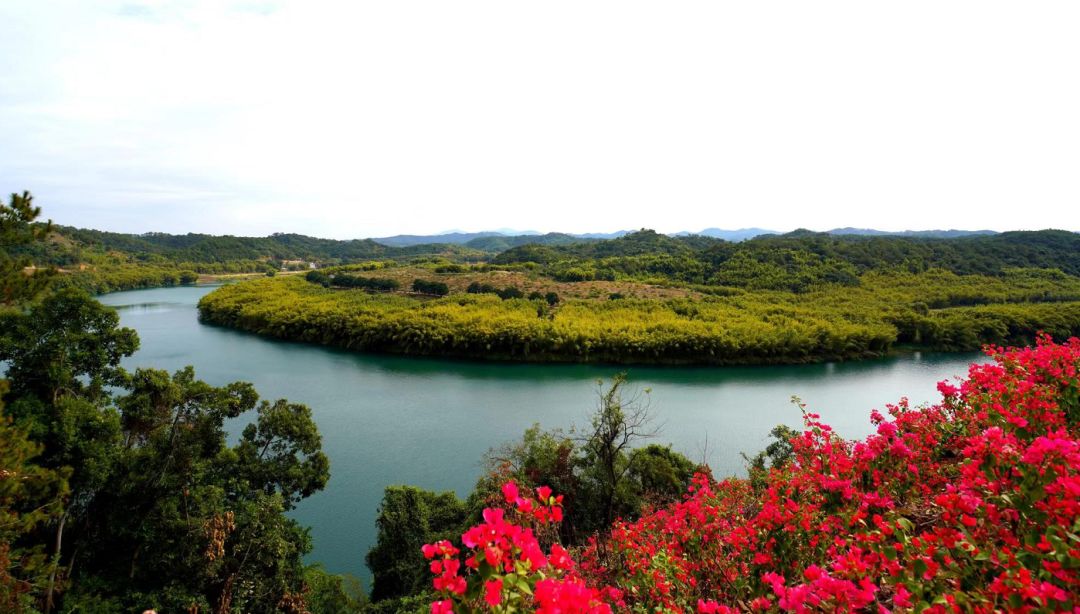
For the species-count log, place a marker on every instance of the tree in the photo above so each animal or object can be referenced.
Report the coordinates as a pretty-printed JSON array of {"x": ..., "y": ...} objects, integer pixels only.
[
  {"x": 410, "y": 517},
  {"x": 31, "y": 497},
  {"x": 776, "y": 455},
  {"x": 609, "y": 453},
  {"x": 119, "y": 490},
  {"x": 281, "y": 452},
  {"x": 541, "y": 458},
  {"x": 661, "y": 474},
  {"x": 602, "y": 474},
  {"x": 433, "y": 288},
  {"x": 32, "y": 494},
  {"x": 68, "y": 345},
  {"x": 19, "y": 283},
  {"x": 181, "y": 499},
  {"x": 333, "y": 594}
]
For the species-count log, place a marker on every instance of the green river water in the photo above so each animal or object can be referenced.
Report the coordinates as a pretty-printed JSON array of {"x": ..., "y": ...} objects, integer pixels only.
[{"x": 397, "y": 420}]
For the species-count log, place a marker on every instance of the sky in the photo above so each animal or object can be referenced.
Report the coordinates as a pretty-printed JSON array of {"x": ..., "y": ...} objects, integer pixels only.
[{"x": 360, "y": 119}]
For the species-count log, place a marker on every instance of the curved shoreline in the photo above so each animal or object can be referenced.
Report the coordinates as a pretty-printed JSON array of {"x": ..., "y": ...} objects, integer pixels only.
[{"x": 628, "y": 333}]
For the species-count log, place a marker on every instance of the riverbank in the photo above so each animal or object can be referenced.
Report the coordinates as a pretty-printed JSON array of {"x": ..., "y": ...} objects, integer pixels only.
[
  {"x": 103, "y": 280},
  {"x": 837, "y": 324}
]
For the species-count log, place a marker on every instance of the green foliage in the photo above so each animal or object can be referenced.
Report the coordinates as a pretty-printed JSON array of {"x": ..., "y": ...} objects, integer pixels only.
[
  {"x": 318, "y": 277},
  {"x": 344, "y": 280},
  {"x": 776, "y": 455},
  {"x": 432, "y": 288},
  {"x": 481, "y": 288},
  {"x": 419, "y": 603},
  {"x": 119, "y": 491},
  {"x": 609, "y": 455},
  {"x": 603, "y": 472},
  {"x": 507, "y": 293},
  {"x": 783, "y": 269},
  {"x": 226, "y": 252},
  {"x": 18, "y": 283},
  {"x": 68, "y": 344},
  {"x": 333, "y": 594},
  {"x": 510, "y": 292},
  {"x": 450, "y": 268},
  {"x": 31, "y": 498},
  {"x": 502, "y": 243},
  {"x": 410, "y": 517},
  {"x": 100, "y": 280},
  {"x": 178, "y": 498},
  {"x": 935, "y": 309},
  {"x": 796, "y": 262},
  {"x": 661, "y": 474},
  {"x": 540, "y": 458},
  {"x": 281, "y": 452},
  {"x": 601, "y": 475}
]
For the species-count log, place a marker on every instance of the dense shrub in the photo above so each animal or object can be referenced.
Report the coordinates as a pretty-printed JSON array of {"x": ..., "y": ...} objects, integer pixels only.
[
  {"x": 510, "y": 292},
  {"x": 434, "y": 288},
  {"x": 378, "y": 284},
  {"x": 127, "y": 277}
]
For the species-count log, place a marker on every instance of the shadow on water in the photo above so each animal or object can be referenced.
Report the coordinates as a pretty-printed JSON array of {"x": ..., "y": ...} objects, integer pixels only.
[{"x": 555, "y": 372}]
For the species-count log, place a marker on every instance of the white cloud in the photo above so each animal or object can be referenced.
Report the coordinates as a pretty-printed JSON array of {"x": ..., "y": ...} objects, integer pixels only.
[{"x": 364, "y": 118}]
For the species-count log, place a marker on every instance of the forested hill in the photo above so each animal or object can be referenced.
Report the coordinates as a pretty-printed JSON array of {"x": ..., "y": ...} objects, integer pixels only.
[
  {"x": 696, "y": 258},
  {"x": 791, "y": 261},
  {"x": 72, "y": 245},
  {"x": 864, "y": 249}
]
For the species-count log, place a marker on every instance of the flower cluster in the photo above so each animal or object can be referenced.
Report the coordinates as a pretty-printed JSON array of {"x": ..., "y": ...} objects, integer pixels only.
[
  {"x": 507, "y": 569},
  {"x": 972, "y": 504}
]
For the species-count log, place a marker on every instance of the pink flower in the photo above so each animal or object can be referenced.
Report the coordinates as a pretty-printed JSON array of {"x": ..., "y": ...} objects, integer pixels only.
[
  {"x": 560, "y": 558},
  {"x": 493, "y": 591},
  {"x": 510, "y": 492}
]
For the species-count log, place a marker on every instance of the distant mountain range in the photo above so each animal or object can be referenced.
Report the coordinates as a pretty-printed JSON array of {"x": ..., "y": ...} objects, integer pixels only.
[
  {"x": 741, "y": 234},
  {"x": 925, "y": 234},
  {"x": 459, "y": 238},
  {"x": 505, "y": 238}
]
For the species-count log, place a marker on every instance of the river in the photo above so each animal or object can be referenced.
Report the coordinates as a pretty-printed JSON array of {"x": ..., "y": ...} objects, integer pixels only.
[{"x": 397, "y": 420}]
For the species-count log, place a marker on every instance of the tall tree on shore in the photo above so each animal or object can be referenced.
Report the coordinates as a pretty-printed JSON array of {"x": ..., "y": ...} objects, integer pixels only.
[
  {"x": 32, "y": 496},
  {"x": 18, "y": 282},
  {"x": 119, "y": 490}
]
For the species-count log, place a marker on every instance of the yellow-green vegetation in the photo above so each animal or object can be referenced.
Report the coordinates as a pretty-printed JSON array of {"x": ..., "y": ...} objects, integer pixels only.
[
  {"x": 935, "y": 309},
  {"x": 99, "y": 280}
]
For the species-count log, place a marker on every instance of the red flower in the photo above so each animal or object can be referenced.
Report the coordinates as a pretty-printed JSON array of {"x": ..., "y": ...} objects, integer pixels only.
[
  {"x": 493, "y": 591},
  {"x": 544, "y": 494},
  {"x": 510, "y": 492}
]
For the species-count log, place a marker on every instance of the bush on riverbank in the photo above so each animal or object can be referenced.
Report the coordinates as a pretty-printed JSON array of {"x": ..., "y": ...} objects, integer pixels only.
[{"x": 128, "y": 277}]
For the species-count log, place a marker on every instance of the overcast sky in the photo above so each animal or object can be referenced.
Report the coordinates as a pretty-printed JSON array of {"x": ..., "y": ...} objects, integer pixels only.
[{"x": 355, "y": 119}]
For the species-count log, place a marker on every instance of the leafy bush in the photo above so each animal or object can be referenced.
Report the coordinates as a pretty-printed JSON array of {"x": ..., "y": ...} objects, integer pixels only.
[
  {"x": 378, "y": 284},
  {"x": 510, "y": 292},
  {"x": 434, "y": 288}
]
